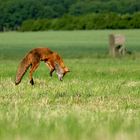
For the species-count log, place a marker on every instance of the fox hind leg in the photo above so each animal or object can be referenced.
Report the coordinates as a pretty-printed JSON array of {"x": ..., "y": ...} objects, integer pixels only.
[
  {"x": 33, "y": 68},
  {"x": 32, "y": 82}
]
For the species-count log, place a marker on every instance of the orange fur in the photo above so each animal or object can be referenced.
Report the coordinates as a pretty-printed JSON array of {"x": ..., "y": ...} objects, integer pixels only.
[{"x": 32, "y": 60}]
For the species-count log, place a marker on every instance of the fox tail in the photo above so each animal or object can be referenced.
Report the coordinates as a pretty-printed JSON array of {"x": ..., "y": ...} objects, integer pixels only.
[{"x": 22, "y": 68}]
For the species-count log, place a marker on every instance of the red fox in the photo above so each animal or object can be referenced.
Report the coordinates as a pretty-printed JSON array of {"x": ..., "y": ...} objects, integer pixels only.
[{"x": 32, "y": 60}]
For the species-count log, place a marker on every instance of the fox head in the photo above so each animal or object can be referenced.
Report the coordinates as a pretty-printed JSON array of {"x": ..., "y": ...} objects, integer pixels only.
[
  {"x": 60, "y": 71},
  {"x": 60, "y": 68}
]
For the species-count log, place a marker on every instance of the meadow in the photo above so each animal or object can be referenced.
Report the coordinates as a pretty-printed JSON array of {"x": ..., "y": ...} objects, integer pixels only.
[{"x": 99, "y": 99}]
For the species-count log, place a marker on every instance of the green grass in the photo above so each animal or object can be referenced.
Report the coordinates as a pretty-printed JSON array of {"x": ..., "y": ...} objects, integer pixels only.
[{"x": 99, "y": 98}]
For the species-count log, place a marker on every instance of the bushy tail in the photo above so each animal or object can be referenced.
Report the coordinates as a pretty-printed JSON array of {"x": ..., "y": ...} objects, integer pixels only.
[{"x": 22, "y": 68}]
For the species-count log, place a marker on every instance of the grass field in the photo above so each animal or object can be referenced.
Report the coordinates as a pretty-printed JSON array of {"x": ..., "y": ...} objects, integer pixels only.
[{"x": 98, "y": 100}]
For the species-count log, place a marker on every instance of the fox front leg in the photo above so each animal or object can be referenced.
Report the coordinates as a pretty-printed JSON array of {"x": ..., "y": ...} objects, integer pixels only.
[
  {"x": 50, "y": 66},
  {"x": 51, "y": 71}
]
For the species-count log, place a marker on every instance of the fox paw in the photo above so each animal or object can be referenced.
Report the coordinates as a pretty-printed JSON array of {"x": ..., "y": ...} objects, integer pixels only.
[
  {"x": 32, "y": 82},
  {"x": 51, "y": 74}
]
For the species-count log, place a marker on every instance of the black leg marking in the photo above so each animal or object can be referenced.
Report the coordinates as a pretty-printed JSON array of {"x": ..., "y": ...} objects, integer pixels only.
[
  {"x": 51, "y": 72},
  {"x": 32, "y": 82}
]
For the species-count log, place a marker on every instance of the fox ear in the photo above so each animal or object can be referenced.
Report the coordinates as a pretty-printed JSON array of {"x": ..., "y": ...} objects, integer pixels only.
[{"x": 66, "y": 69}]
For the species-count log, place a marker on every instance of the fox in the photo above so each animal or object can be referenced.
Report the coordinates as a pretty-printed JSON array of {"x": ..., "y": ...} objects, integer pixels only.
[{"x": 32, "y": 59}]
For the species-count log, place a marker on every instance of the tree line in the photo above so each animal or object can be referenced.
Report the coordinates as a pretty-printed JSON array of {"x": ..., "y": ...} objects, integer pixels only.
[
  {"x": 16, "y": 14},
  {"x": 87, "y": 22}
]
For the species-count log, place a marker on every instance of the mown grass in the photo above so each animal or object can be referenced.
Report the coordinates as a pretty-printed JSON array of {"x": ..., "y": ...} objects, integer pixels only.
[{"x": 99, "y": 98}]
